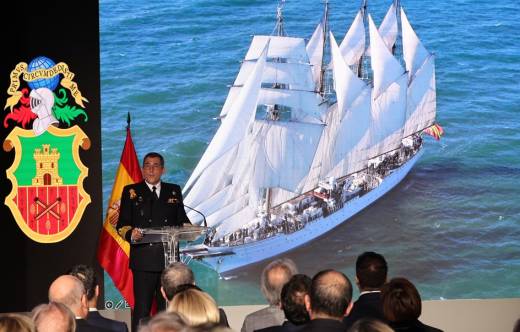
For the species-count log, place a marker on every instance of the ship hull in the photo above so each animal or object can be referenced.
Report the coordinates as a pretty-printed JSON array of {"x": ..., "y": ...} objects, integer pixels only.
[{"x": 257, "y": 251}]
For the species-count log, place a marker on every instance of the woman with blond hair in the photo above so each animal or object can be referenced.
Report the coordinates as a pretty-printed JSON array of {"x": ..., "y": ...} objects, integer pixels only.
[
  {"x": 196, "y": 306},
  {"x": 16, "y": 323}
]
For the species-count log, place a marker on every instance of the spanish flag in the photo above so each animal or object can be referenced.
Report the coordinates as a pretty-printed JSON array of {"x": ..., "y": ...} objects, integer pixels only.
[
  {"x": 113, "y": 251},
  {"x": 435, "y": 131}
]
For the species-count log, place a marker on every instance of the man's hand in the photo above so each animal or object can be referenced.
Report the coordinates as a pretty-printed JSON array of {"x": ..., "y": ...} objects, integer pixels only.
[{"x": 137, "y": 235}]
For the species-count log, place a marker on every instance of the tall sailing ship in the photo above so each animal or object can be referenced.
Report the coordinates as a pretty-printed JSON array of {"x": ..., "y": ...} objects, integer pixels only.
[{"x": 311, "y": 134}]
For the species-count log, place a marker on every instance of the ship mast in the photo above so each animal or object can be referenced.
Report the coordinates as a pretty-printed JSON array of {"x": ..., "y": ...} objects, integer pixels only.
[
  {"x": 279, "y": 29},
  {"x": 324, "y": 68},
  {"x": 397, "y": 5},
  {"x": 362, "y": 68},
  {"x": 273, "y": 112},
  {"x": 397, "y": 49}
]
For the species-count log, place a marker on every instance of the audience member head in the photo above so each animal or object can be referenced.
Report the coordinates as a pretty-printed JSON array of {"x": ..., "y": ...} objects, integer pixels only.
[
  {"x": 293, "y": 299},
  {"x": 370, "y": 325},
  {"x": 53, "y": 317},
  {"x": 274, "y": 276},
  {"x": 69, "y": 290},
  {"x": 371, "y": 271},
  {"x": 87, "y": 276},
  {"x": 517, "y": 326},
  {"x": 174, "y": 275},
  {"x": 165, "y": 322},
  {"x": 196, "y": 306},
  {"x": 331, "y": 295},
  {"x": 16, "y": 323},
  {"x": 401, "y": 301}
]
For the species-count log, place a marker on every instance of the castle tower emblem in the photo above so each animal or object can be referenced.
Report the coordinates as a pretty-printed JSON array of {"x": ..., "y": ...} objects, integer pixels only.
[{"x": 46, "y": 166}]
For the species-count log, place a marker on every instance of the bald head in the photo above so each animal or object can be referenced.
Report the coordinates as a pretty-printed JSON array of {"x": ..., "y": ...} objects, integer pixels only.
[
  {"x": 53, "y": 317},
  {"x": 69, "y": 290},
  {"x": 331, "y": 293}
]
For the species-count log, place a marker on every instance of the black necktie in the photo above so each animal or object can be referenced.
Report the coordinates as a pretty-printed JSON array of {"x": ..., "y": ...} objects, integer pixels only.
[{"x": 154, "y": 190}]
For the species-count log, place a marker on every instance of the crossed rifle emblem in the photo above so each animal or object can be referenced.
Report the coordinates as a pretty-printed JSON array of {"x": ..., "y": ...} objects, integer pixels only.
[{"x": 48, "y": 208}]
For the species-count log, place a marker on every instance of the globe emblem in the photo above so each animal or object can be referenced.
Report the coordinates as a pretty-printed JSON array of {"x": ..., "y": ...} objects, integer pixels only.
[{"x": 43, "y": 62}]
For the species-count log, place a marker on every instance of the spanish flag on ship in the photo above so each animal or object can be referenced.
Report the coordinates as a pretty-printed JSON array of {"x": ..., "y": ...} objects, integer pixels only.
[
  {"x": 113, "y": 251},
  {"x": 435, "y": 131}
]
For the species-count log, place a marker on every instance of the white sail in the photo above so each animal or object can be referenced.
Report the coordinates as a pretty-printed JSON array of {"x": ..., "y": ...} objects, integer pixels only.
[
  {"x": 281, "y": 147},
  {"x": 315, "y": 51},
  {"x": 211, "y": 204},
  {"x": 353, "y": 45},
  {"x": 353, "y": 97},
  {"x": 235, "y": 222},
  {"x": 214, "y": 178},
  {"x": 420, "y": 64},
  {"x": 421, "y": 99},
  {"x": 323, "y": 159},
  {"x": 289, "y": 48},
  {"x": 344, "y": 139},
  {"x": 225, "y": 211},
  {"x": 414, "y": 53},
  {"x": 279, "y": 196},
  {"x": 287, "y": 65},
  {"x": 234, "y": 128},
  {"x": 297, "y": 76},
  {"x": 303, "y": 104},
  {"x": 388, "y": 96},
  {"x": 233, "y": 93},
  {"x": 388, "y": 28}
]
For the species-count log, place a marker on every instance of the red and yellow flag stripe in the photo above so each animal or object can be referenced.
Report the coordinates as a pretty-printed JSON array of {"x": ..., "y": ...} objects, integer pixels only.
[{"x": 113, "y": 251}]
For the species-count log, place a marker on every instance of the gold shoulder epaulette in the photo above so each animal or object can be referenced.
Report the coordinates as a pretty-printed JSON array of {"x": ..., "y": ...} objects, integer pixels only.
[{"x": 123, "y": 230}]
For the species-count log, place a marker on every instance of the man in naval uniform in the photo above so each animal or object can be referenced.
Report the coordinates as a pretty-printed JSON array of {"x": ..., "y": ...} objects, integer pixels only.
[{"x": 149, "y": 203}]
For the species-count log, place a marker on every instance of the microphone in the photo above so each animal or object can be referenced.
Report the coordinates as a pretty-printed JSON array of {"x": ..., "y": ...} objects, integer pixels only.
[{"x": 203, "y": 216}]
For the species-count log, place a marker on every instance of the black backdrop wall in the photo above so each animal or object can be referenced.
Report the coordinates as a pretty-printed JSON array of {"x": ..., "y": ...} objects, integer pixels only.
[{"x": 64, "y": 31}]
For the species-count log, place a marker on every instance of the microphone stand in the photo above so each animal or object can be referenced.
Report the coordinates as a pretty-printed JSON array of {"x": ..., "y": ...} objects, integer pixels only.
[{"x": 203, "y": 216}]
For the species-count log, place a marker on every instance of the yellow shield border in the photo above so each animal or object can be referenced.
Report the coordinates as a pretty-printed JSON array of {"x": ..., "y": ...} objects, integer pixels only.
[{"x": 12, "y": 141}]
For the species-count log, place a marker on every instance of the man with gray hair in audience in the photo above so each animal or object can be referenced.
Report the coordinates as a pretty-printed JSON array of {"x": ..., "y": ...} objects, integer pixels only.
[
  {"x": 165, "y": 322},
  {"x": 69, "y": 290},
  {"x": 53, "y": 317},
  {"x": 173, "y": 276},
  {"x": 274, "y": 276},
  {"x": 176, "y": 275}
]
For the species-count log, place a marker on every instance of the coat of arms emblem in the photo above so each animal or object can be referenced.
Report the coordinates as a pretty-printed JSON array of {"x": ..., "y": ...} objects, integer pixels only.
[{"x": 47, "y": 199}]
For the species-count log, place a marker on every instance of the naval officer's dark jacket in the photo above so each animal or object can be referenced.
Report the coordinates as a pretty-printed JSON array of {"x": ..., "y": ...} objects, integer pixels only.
[{"x": 140, "y": 209}]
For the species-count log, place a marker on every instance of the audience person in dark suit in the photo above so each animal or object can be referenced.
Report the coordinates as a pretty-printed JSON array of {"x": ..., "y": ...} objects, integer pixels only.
[
  {"x": 87, "y": 275},
  {"x": 371, "y": 272},
  {"x": 178, "y": 276},
  {"x": 402, "y": 306},
  {"x": 369, "y": 325},
  {"x": 53, "y": 317},
  {"x": 69, "y": 290},
  {"x": 293, "y": 304},
  {"x": 16, "y": 323},
  {"x": 273, "y": 277},
  {"x": 517, "y": 326},
  {"x": 149, "y": 203},
  {"x": 328, "y": 302}
]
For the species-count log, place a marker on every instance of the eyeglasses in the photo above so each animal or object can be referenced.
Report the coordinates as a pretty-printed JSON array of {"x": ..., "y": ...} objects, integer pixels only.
[{"x": 152, "y": 166}]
